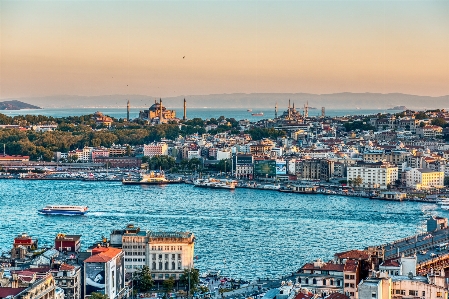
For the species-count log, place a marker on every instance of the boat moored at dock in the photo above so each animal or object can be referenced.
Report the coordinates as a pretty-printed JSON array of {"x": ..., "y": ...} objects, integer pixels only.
[
  {"x": 152, "y": 178},
  {"x": 216, "y": 184}
]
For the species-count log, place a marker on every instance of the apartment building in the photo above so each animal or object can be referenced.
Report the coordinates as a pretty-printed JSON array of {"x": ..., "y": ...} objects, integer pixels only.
[
  {"x": 373, "y": 175},
  {"x": 422, "y": 178},
  {"x": 155, "y": 149}
]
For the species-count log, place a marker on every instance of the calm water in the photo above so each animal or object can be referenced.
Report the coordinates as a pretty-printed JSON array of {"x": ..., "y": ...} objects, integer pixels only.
[
  {"x": 203, "y": 113},
  {"x": 257, "y": 232}
]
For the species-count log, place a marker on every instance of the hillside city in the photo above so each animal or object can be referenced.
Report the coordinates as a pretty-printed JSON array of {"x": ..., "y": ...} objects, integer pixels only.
[{"x": 394, "y": 157}]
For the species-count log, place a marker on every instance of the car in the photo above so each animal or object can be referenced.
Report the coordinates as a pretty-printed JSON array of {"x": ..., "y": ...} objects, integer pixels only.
[
  {"x": 433, "y": 254},
  {"x": 423, "y": 252}
]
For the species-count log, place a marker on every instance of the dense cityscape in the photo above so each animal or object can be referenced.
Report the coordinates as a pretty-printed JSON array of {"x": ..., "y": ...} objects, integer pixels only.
[{"x": 401, "y": 156}]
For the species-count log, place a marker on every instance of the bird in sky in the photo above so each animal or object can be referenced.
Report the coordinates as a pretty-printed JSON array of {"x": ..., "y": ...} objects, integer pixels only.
[{"x": 183, "y": 57}]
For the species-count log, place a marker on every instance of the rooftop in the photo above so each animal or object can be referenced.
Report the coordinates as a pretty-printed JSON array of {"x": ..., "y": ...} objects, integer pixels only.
[
  {"x": 353, "y": 254},
  {"x": 103, "y": 254}
]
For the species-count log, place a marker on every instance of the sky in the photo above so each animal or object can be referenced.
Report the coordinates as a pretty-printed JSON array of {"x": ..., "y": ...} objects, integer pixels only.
[{"x": 172, "y": 48}]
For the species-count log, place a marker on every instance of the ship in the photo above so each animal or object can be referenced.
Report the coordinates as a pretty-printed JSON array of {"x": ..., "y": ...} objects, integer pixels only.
[
  {"x": 152, "y": 178},
  {"x": 249, "y": 110},
  {"x": 402, "y": 108},
  {"x": 64, "y": 210},
  {"x": 257, "y": 114},
  {"x": 215, "y": 184}
]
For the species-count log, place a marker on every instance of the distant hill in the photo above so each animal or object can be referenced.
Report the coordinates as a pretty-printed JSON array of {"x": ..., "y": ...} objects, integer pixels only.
[
  {"x": 16, "y": 105},
  {"x": 343, "y": 100}
]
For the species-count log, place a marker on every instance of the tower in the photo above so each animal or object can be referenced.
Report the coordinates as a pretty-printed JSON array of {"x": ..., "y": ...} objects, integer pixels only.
[
  {"x": 323, "y": 112},
  {"x": 185, "y": 110},
  {"x": 276, "y": 110},
  {"x": 289, "y": 112},
  {"x": 127, "y": 111},
  {"x": 306, "y": 110},
  {"x": 160, "y": 110}
]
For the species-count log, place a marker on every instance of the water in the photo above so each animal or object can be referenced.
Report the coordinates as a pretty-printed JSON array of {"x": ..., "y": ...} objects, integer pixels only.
[
  {"x": 203, "y": 113},
  {"x": 259, "y": 233}
]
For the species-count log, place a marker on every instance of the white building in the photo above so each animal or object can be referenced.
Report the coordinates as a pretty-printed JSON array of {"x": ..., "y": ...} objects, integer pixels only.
[
  {"x": 374, "y": 175},
  {"x": 223, "y": 154},
  {"x": 421, "y": 178},
  {"x": 155, "y": 149}
]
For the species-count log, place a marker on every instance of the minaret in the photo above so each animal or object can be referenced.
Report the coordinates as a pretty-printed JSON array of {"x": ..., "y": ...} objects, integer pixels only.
[
  {"x": 127, "y": 111},
  {"x": 185, "y": 110},
  {"x": 306, "y": 110},
  {"x": 289, "y": 112},
  {"x": 276, "y": 110},
  {"x": 323, "y": 112},
  {"x": 160, "y": 110}
]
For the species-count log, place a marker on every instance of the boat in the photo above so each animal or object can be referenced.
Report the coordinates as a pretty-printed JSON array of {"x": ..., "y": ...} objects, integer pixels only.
[
  {"x": 152, "y": 178},
  {"x": 215, "y": 184},
  {"x": 249, "y": 110},
  {"x": 64, "y": 210},
  {"x": 444, "y": 203},
  {"x": 257, "y": 114}
]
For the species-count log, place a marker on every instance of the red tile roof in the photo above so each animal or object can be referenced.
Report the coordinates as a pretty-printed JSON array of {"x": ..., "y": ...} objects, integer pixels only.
[
  {"x": 5, "y": 292},
  {"x": 337, "y": 296},
  {"x": 66, "y": 267},
  {"x": 391, "y": 263},
  {"x": 353, "y": 254},
  {"x": 303, "y": 296},
  {"x": 103, "y": 254},
  {"x": 351, "y": 266},
  {"x": 325, "y": 267}
]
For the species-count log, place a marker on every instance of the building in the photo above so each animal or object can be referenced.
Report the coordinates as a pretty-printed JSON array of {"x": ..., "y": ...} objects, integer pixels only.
[
  {"x": 157, "y": 113},
  {"x": 170, "y": 253},
  {"x": 101, "y": 119},
  {"x": 68, "y": 278},
  {"x": 104, "y": 272},
  {"x": 25, "y": 285},
  {"x": 167, "y": 254},
  {"x": 22, "y": 244},
  {"x": 373, "y": 175},
  {"x": 119, "y": 162},
  {"x": 314, "y": 169},
  {"x": 429, "y": 131},
  {"x": 14, "y": 158},
  {"x": 321, "y": 278},
  {"x": 155, "y": 149},
  {"x": 68, "y": 243},
  {"x": 420, "y": 178}
]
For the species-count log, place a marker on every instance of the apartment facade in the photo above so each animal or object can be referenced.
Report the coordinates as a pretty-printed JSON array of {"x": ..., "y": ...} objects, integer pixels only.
[{"x": 374, "y": 175}]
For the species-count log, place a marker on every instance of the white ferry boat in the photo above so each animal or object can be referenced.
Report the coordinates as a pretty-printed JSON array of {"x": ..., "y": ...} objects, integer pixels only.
[
  {"x": 444, "y": 203},
  {"x": 64, "y": 210},
  {"x": 212, "y": 183}
]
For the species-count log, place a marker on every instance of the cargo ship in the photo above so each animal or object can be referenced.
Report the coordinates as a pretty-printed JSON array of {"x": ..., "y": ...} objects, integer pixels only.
[
  {"x": 257, "y": 114},
  {"x": 64, "y": 210}
]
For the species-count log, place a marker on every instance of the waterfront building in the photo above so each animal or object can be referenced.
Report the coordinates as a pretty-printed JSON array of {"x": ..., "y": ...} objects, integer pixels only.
[
  {"x": 14, "y": 158},
  {"x": 157, "y": 113},
  {"x": 420, "y": 178},
  {"x": 373, "y": 175},
  {"x": 171, "y": 253},
  {"x": 104, "y": 272},
  {"x": 321, "y": 278},
  {"x": 399, "y": 266},
  {"x": 99, "y": 152},
  {"x": 155, "y": 149},
  {"x": 351, "y": 274},
  {"x": 68, "y": 243},
  {"x": 314, "y": 169},
  {"x": 119, "y": 162},
  {"x": 22, "y": 244},
  {"x": 167, "y": 254}
]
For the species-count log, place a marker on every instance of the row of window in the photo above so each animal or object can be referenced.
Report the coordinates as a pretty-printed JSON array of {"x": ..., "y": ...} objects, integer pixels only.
[
  {"x": 314, "y": 281},
  {"x": 166, "y": 248},
  {"x": 135, "y": 260},
  {"x": 165, "y": 266},
  {"x": 166, "y": 256},
  {"x": 135, "y": 253},
  {"x": 133, "y": 246}
]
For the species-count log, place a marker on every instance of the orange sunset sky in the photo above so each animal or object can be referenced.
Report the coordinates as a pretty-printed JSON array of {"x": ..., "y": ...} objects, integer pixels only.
[{"x": 137, "y": 47}]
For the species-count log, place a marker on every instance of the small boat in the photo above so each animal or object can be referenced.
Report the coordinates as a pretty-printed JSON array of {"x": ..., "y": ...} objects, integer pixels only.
[
  {"x": 249, "y": 110},
  {"x": 64, "y": 210},
  {"x": 257, "y": 114}
]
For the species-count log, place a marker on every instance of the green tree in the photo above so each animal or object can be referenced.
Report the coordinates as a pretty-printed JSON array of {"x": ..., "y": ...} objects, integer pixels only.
[
  {"x": 357, "y": 181},
  {"x": 142, "y": 279},
  {"x": 190, "y": 277},
  {"x": 168, "y": 285},
  {"x": 421, "y": 115},
  {"x": 441, "y": 122},
  {"x": 96, "y": 295}
]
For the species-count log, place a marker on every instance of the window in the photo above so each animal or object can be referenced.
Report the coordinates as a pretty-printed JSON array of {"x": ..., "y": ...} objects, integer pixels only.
[
  {"x": 166, "y": 256},
  {"x": 331, "y": 282},
  {"x": 314, "y": 281},
  {"x": 173, "y": 256},
  {"x": 413, "y": 293},
  {"x": 173, "y": 266},
  {"x": 154, "y": 256},
  {"x": 373, "y": 295},
  {"x": 324, "y": 282},
  {"x": 307, "y": 281},
  {"x": 439, "y": 294},
  {"x": 299, "y": 279},
  {"x": 160, "y": 265}
]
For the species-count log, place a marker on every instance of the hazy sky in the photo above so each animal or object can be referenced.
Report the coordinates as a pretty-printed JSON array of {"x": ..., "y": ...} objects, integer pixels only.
[{"x": 137, "y": 47}]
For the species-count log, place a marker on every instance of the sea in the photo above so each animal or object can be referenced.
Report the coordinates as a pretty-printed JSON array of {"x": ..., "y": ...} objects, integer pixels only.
[
  {"x": 203, "y": 113},
  {"x": 244, "y": 233}
]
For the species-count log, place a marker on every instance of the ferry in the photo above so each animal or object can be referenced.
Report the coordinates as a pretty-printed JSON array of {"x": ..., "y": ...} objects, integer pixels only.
[
  {"x": 257, "y": 114},
  {"x": 249, "y": 110},
  {"x": 64, "y": 210},
  {"x": 215, "y": 184},
  {"x": 444, "y": 203},
  {"x": 150, "y": 179}
]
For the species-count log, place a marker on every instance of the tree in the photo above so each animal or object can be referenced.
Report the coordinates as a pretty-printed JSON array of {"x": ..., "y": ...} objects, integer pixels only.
[
  {"x": 190, "y": 277},
  {"x": 168, "y": 285},
  {"x": 441, "y": 122},
  {"x": 357, "y": 181},
  {"x": 142, "y": 279},
  {"x": 96, "y": 295}
]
